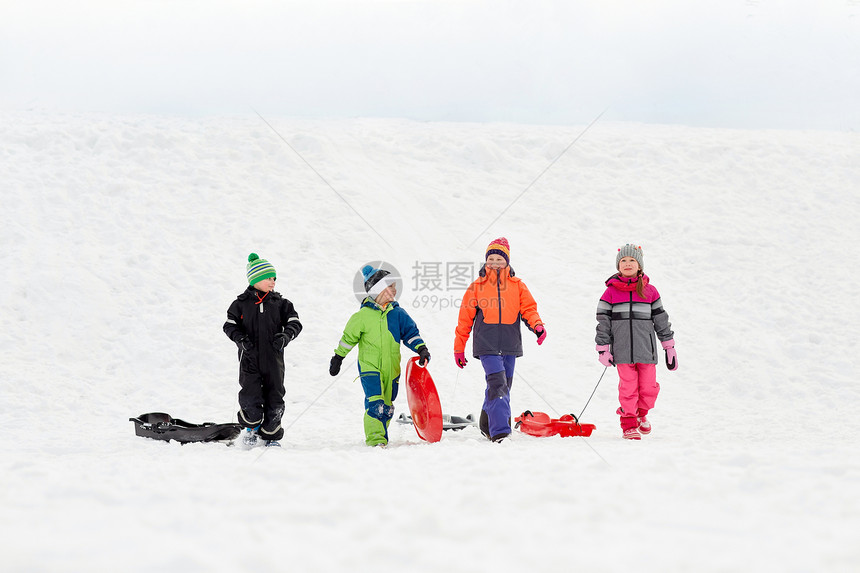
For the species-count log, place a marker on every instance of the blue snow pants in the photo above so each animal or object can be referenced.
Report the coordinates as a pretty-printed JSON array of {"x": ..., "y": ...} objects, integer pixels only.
[{"x": 496, "y": 411}]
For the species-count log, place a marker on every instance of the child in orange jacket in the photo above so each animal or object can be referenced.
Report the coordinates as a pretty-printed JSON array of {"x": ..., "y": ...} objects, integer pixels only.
[{"x": 493, "y": 306}]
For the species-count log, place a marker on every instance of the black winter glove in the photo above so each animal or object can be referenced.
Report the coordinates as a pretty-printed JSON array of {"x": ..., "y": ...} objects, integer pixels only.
[
  {"x": 281, "y": 340},
  {"x": 423, "y": 356},
  {"x": 334, "y": 365},
  {"x": 245, "y": 344}
]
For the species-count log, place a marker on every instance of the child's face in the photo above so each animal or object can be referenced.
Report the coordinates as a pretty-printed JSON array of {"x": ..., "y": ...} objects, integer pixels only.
[
  {"x": 628, "y": 267},
  {"x": 265, "y": 285},
  {"x": 387, "y": 295},
  {"x": 495, "y": 261}
]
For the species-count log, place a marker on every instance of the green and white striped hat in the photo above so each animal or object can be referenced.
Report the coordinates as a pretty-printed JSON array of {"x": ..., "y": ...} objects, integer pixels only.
[{"x": 259, "y": 269}]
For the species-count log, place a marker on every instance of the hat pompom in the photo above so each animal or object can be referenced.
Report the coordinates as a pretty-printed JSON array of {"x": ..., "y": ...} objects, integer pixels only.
[
  {"x": 367, "y": 271},
  {"x": 253, "y": 257}
]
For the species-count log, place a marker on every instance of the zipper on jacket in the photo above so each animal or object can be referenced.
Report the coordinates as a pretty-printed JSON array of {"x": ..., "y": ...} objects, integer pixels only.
[
  {"x": 631, "y": 329},
  {"x": 499, "y": 294},
  {"x": 383, "y": 320},
  {"x": 383, "y": 329}
]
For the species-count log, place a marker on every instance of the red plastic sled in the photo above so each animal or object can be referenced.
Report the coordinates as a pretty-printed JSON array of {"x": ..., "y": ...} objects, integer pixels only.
[
  {"x": 423, "y": 402},
  {"x": 541, "y": 425}
]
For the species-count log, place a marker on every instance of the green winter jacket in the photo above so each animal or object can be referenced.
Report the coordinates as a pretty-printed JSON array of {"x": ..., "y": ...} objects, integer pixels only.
[{"x": 378, "y": 333}]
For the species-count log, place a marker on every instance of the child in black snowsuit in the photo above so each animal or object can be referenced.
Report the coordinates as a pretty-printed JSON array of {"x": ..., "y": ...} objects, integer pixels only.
[{"x": 261, "y": 323}]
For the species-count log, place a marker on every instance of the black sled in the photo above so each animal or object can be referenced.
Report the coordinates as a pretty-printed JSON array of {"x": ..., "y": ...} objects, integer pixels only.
[{"x": 160, "y": 426}]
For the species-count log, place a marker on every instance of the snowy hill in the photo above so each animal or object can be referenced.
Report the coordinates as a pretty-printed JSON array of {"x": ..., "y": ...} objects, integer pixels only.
[{"x": 125, "y": 239}]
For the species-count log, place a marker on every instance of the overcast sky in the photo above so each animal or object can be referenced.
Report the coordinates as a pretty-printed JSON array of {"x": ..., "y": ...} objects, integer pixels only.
[{"x": 731, "y": 63}]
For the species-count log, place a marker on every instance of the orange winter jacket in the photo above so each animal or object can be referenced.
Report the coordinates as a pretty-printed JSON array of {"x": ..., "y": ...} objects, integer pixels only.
[{"x": 493, "y": 305}]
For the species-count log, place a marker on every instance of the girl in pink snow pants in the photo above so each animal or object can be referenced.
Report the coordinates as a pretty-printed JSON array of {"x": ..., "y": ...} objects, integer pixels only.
[{"x": 629, "y": 313}]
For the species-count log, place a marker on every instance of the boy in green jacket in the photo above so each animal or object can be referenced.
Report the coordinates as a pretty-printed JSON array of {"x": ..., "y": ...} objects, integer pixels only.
[{"x": 378, "y": 328}]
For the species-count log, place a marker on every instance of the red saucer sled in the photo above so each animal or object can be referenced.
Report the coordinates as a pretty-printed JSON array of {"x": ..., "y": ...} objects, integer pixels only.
[
  {"x": 541, "y": 425},
  {"x": 423, "y": 402}
]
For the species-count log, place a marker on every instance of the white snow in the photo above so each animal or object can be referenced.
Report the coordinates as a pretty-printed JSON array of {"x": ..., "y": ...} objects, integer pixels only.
[{"x": 125, "y": 239}]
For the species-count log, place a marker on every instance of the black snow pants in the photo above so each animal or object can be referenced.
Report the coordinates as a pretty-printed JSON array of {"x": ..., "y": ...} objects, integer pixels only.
[{"x": 261, "y": 397}]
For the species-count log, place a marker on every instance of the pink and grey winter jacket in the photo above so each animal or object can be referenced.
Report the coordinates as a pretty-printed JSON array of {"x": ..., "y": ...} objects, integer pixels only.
[{"x": 627, "y": 322}]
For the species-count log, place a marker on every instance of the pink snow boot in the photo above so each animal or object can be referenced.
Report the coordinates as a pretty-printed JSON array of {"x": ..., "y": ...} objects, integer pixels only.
[
  {"x": 644, "y": 425},
  {"x": 632, "y": 434}
]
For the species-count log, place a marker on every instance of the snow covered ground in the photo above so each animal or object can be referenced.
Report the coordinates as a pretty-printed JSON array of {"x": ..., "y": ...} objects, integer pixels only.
[{"x": 125, "y": 239}]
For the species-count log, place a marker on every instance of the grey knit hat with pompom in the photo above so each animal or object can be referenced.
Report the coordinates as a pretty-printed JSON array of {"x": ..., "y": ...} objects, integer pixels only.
[{"x": 630, "y": 250}]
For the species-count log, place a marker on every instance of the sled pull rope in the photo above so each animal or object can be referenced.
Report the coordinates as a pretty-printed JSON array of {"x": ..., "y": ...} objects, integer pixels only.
[
  {"x": 457, "y": 379},
  {"x": 596, "y": 453},
  {"x": 541, "y": 174},
  {"x": 296, "y": 419},
  {"x": 536, "y": 392},
  {"x": 590, "y": 397},
  {"x": 324, "y": 180}
]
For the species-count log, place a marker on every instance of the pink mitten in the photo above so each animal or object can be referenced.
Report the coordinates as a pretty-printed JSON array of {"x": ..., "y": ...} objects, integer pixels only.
[
  {"x": 671, "y": 355},
  {"x": 460, "y": 359},
  {"x": 604, "y": 355},
  {"x": 540, "y": 331}
]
